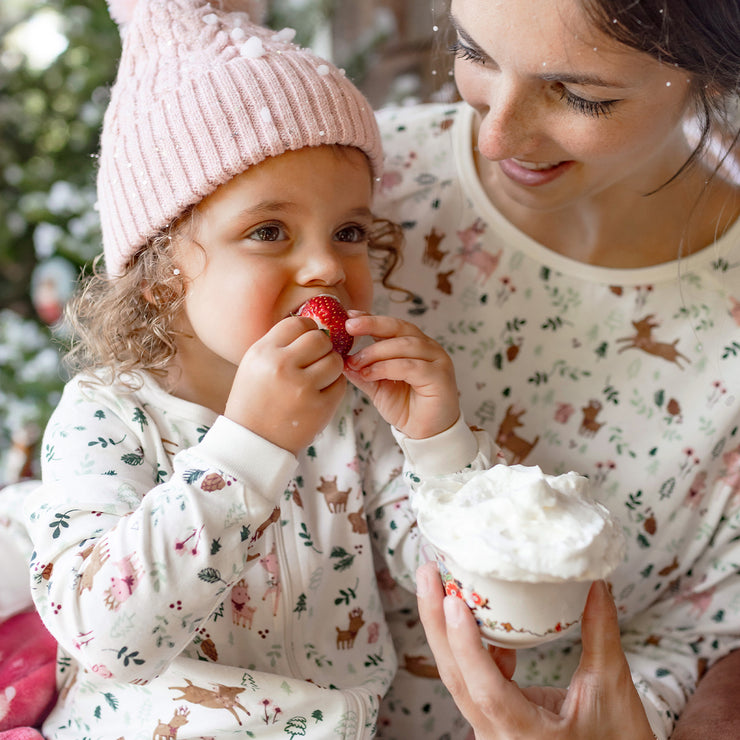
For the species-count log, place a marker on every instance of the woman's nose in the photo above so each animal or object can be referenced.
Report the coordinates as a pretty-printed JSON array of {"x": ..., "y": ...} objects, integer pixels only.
[
  {"x": 320, "y": 265},
  {"x": 509, "y": 124}
]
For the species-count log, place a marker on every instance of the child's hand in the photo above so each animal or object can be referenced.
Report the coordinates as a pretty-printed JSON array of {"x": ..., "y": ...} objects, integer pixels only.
[
  {"x": 288, "y": 384},
  {"x": 408, "y": 376}
]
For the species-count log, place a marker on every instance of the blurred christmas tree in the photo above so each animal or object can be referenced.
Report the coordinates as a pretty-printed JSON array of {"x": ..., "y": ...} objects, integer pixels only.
[{"x": 57, "y": 61}]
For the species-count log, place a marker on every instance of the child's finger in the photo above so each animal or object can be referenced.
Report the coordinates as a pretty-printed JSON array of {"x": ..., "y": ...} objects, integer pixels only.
[
  {"x": 380, "y": 327},
  {"x": 417, "y": 374},
  {"x": 287, "y": 331},
  {"x": 399, "y": 347}
]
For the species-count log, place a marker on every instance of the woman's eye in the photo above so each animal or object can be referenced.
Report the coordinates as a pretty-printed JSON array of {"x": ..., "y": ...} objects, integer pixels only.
[
  {"x": 354, "y": 234},
  {"x": 595, "y": 108},
  {"x": 267, "y": 233},
  {"x": 461, "y": 51}
]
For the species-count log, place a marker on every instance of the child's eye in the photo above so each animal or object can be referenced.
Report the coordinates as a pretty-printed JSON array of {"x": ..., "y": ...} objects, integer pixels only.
[
  {"x": 267, "y": 233},
  {"x": 353, "y": 233},
  {"x": 595, "y": 108},
  {"x": 461, "y": 51}
]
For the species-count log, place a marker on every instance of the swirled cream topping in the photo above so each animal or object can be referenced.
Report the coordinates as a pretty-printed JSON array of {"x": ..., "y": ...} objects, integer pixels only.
[{"x": 516, "y": 523}]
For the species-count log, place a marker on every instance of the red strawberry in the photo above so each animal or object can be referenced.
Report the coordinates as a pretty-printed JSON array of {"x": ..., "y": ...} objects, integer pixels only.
[{"x": 329, "y": 315}]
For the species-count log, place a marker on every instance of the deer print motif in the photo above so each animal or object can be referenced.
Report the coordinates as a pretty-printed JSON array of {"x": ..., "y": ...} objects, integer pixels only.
[
  {"x": 224, "y": 697},
  {"x": 358, "y": 521},
  {"x": 272, "y": 567},
  {"x": 735, "y": 310},
  {"x": 336, "y": 500},
  {"x": 508, "y": 440},
  {"x": 93, "y": 559},
  {"x": 121, "y": 588},
  {"x": 472, "y": 253},
  {"x": 643, "y": 340},
  {"x": 346, "y": 638},
  {"x": 730, "y": 475},
  {"x": 433, "y": 255},
  {"x": 274, "y": 517},
  {"x": 444, "y": 285},
  {"x": 242, "y": 613},
  {"x": 168, "y": 730},
  {"x": 589, "y": 425}
]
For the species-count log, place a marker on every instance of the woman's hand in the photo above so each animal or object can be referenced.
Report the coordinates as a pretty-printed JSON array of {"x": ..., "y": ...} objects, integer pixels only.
[
  {"x": 409, "y": 377},
  {"x": 601, "y": 701},
  {"x": 288, "y": 384}
]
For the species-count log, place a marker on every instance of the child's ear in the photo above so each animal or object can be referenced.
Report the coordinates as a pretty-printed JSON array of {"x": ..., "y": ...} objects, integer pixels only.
[
  {"x": 146, "y": 291},
  {"x": 163, "y": 291}
]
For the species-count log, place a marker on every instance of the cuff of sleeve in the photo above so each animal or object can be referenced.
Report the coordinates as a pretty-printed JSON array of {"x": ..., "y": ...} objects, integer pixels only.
[
  {"x": 264, "y": 466},
  {"x": 656, "y": 721},
  {"x": 445, "y": 453}
]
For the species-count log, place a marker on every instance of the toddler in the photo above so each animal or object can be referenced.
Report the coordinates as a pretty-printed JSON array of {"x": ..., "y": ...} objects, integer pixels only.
[{"x": 212, "y": 487}]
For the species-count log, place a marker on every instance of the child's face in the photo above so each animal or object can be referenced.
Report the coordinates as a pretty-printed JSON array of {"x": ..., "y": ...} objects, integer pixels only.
[{"x": 287, "y": 229}]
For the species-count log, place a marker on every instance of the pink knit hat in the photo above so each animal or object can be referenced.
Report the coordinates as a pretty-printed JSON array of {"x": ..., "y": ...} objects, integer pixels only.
[{"x": 202, "y": 93}]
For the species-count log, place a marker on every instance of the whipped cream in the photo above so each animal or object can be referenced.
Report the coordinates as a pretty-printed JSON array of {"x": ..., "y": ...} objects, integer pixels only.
[{"x": 516, "y": 523}]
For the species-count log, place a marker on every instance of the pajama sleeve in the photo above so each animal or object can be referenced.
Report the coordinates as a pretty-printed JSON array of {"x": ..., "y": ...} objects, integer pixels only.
[{"x": 115, "y": 537}]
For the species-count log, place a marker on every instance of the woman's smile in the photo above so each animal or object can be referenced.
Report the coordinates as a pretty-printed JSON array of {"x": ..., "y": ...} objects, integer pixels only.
[{"x": 534, "y": 174}]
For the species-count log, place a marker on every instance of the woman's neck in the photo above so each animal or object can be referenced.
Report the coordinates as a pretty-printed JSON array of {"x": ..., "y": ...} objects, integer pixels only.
[{"x": 620, "y": 228}]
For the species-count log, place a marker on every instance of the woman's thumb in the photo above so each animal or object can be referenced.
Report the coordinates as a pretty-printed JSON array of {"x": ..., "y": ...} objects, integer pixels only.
[{"x": 600, "y": 637}]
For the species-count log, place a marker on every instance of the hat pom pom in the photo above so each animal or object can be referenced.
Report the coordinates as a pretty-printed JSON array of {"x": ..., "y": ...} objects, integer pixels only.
[{"x": 122, "y": 11}]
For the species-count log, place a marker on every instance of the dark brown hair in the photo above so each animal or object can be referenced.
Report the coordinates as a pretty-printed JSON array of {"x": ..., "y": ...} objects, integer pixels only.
[{"x": 699, "y": 36}]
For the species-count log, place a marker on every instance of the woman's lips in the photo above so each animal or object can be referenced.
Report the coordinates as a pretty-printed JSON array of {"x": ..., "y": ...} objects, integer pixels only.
[{"x": 533, "y": 174}]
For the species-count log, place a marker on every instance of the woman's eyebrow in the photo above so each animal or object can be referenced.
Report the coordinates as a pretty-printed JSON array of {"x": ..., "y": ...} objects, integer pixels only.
[{"x": 590, "y": 80}]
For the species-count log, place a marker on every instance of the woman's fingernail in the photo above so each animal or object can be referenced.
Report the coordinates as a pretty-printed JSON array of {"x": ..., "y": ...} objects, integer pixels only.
[
  {"x": 423, "y": 582},
  {"x": 453, "y": 610}
]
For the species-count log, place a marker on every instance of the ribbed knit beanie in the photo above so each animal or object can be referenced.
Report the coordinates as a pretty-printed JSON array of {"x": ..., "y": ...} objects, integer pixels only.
[{"x": 202, "y": 93}]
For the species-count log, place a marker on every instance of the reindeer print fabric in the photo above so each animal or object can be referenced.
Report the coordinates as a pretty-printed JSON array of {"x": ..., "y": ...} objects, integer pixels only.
[
  {"x": 631, "y": 377},
  {"x": 203, "y": 583}
]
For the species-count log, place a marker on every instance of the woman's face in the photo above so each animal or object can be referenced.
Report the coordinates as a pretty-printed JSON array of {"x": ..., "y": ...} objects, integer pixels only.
[{"x": 565, "y": 113}]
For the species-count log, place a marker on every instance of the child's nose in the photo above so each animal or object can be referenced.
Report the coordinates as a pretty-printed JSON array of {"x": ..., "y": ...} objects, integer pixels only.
[{"x": 320, "y": 264}]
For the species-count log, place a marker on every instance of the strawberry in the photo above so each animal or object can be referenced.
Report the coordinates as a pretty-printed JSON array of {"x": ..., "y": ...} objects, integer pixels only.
[{"x": 329, "y": 315}]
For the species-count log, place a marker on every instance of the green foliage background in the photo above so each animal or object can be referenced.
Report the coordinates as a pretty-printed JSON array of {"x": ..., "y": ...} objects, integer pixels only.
[{"x": 50, "y": 122}]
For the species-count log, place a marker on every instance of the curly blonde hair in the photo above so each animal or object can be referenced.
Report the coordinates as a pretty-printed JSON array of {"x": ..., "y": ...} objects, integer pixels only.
[{"x": 121, "y": 325}]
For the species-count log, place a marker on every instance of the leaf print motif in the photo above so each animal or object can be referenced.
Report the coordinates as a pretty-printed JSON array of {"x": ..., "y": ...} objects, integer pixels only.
[
  {"x": 133, "y": 458},
  {"x": 347, "y": 594},
  {"x": 192, "y": 475},
  {"x": 307, "y": 539},
  {"x": 343, "y": 558},
  {"x": 111, "y": 700},
  {"x": 210, "y": 575},
  {"x": 60, "y": 522},
  {"x": 129, "y": 657},
  {"x": 105, "y": 442}
]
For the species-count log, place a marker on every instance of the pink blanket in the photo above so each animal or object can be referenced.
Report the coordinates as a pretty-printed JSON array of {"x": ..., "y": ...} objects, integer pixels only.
[{"x": 27, "y": 680}]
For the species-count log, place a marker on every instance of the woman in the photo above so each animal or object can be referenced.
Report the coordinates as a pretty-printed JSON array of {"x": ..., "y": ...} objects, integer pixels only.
[{"x": 573, "y": 241}]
